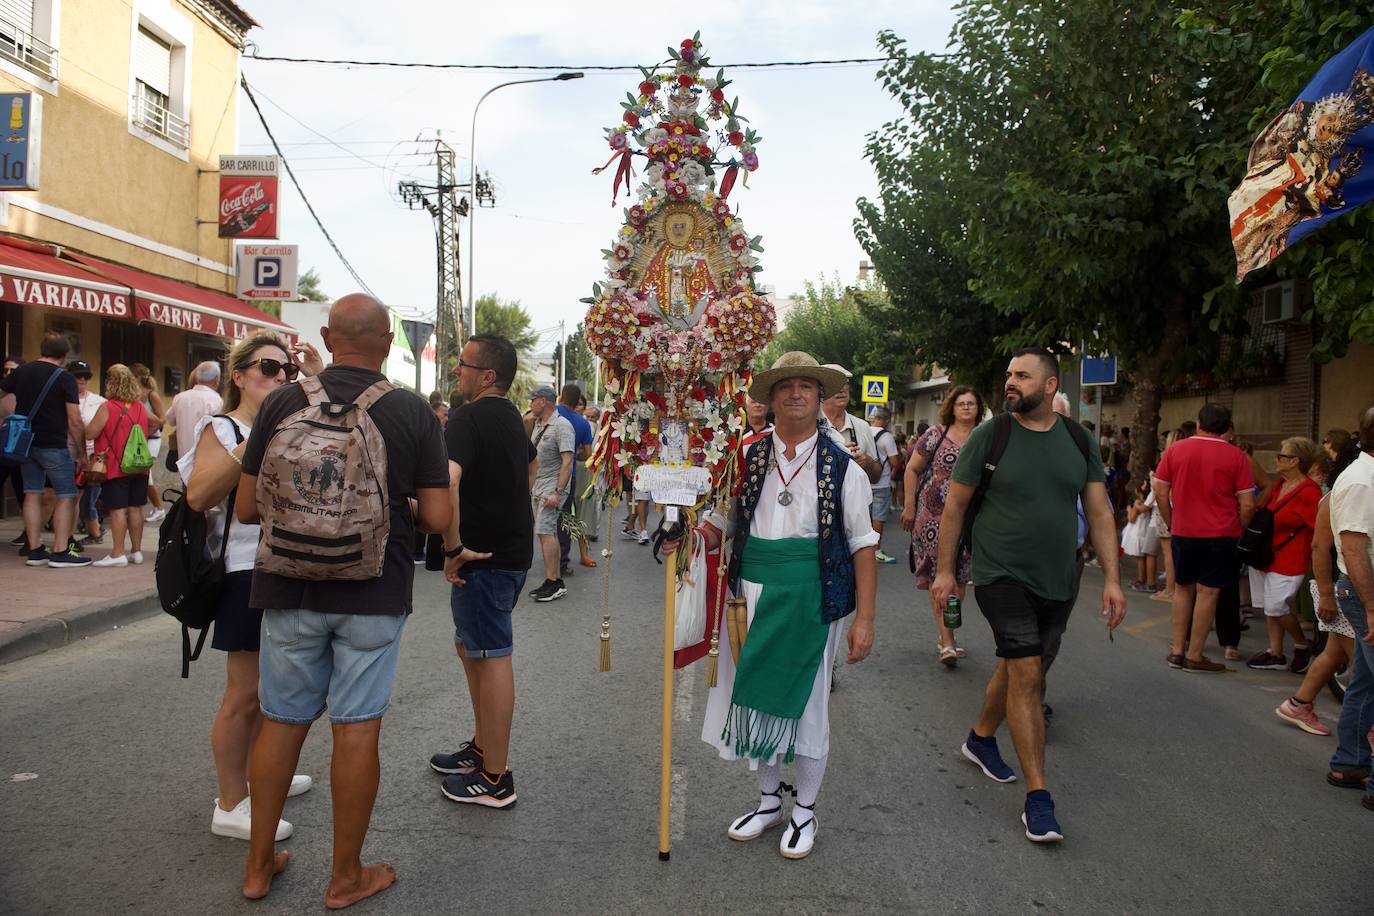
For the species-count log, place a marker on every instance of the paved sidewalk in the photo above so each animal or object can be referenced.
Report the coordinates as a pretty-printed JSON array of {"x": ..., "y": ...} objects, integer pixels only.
[{"x": 42, "y": 608}]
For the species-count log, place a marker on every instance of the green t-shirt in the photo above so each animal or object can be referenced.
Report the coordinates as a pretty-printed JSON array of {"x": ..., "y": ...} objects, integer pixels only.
[{"x": 1027, "y": 528}]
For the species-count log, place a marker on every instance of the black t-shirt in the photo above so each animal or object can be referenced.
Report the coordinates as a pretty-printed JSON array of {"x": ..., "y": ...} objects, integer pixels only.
[
  {"x": 414, "y": 460},
  {"x": 49, "y": 419},
  {"x": 487, "y": 439}
]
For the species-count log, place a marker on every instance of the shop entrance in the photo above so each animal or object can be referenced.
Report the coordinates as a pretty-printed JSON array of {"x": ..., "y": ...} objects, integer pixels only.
[{"x": 125, "y": 342}]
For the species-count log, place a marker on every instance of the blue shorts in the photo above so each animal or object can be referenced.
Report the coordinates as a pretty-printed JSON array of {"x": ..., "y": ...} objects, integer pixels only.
[
  {"x": 482, "y": 612},
  {"x": 309, "y": 661},
  {"x": 881, "y": 506},
  {"x": 56, "y": 466}
]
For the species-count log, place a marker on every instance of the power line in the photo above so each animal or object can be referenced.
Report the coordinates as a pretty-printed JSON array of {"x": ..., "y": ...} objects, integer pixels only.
[
  {"x": 299, "y": 190},
  {"x": 536, "y": 68}
]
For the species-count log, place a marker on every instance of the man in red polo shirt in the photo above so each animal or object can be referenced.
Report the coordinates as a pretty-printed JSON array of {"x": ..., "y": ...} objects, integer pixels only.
[{"x": 1206, "y": 495}]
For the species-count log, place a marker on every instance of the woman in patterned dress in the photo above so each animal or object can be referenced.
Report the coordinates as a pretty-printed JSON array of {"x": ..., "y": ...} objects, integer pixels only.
[{"x": 927, "y": 486}]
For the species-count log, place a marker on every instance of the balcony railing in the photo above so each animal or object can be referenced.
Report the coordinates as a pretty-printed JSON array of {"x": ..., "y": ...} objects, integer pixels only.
[
  {"x": 156, "y": 119},
  {"x": 29, "y": 52}
]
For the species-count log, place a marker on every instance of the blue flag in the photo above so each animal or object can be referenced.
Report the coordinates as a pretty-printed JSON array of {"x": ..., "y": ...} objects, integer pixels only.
[{"x": 1307, "y": 167}]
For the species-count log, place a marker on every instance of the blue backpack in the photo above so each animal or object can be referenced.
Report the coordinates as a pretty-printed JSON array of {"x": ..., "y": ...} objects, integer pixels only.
[{"x": 16, "y": 430}]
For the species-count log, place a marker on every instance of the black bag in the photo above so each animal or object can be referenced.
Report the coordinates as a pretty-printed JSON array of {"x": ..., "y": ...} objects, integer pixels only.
[
  {"x": 1001, "y": 433},
  {"x": 1256, "y": 547},
  {"x": 190, "y": 578}
]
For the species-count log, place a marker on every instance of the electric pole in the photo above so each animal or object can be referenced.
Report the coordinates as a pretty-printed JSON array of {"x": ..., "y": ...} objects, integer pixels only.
[{"x": 445, "y": 205}]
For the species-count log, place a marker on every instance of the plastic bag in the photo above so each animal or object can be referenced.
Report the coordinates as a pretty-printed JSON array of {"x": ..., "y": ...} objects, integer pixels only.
[{"x": 691, "y": 598}]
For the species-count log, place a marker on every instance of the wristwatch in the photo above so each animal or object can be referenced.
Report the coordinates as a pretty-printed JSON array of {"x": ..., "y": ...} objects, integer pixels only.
[{"x": 450, "y": 554}]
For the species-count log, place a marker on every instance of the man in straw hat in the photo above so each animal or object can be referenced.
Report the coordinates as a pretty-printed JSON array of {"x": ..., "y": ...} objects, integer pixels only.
[{"x": 802, "y": 560}]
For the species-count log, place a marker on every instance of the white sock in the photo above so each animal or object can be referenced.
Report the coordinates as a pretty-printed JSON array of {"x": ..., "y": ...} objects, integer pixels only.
[
  {"x": 810, "y": 772},
  {"x": 770, "y": 781}
]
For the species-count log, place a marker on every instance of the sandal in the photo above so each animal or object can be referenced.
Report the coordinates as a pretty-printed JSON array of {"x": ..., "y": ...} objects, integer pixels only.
[
  {"x": 1353, "y": 778},
  {"x": 949, "y": 657},
  {"x": 589, "y": 562}
]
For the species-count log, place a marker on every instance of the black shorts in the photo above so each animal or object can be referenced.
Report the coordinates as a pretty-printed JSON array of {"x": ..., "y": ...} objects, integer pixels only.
[
  {"x": 1204, "y": 561},
  {"x": 238, "y": 627},
  {"x": 1023, "y": 623},
  {"x": 124, "y": 493}
]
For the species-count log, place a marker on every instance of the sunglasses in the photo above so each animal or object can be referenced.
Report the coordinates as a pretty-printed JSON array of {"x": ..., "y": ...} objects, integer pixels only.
[
  {"x": 463, "y": 365},
  {"x": 270, "y": 367}
]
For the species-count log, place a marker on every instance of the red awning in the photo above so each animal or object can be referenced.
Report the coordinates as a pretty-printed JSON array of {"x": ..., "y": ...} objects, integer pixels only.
[
  {"x": 181, "y": 305},
  {"x": 31, "y": 275}
]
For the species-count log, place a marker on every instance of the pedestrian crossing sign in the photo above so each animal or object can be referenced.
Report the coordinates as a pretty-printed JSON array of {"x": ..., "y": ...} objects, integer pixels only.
[{"x": 875, "y": 389}]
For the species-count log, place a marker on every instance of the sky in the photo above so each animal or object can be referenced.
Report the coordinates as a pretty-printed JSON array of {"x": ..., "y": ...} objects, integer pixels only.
[{"x": 352, "y": 133}]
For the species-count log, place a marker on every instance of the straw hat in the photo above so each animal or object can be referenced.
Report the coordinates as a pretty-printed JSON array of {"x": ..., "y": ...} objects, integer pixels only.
[{"x": 795, "y": 364}]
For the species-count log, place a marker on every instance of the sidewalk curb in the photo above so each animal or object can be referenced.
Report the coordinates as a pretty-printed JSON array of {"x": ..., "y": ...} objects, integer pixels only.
[{"x": 38, "y": 636}]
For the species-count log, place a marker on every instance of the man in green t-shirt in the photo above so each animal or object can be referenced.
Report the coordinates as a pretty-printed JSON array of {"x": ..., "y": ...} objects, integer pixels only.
[{"x": 1025, "y": 537}]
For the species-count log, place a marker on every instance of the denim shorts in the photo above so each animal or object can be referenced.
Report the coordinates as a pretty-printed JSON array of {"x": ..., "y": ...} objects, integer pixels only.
[
  {"x": 482, "y": 612},
  {"x": 1023, "y": 624},
  {"x": 882, "y": 504},
  {"x": 57, "y": 466},
  {"x": 309, "y": 661}
]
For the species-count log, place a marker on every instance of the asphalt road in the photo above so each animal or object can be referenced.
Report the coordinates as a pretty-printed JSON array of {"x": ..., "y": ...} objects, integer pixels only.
[{"x": 1177, "y": 792}]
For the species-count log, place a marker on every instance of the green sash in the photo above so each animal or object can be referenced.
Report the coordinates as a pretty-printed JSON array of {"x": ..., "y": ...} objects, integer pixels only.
[{"x": 777, "y": 666}]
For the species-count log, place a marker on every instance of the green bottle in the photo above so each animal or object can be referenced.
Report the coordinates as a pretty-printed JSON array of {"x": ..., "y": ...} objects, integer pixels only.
[{"x": 954, "y": 617}]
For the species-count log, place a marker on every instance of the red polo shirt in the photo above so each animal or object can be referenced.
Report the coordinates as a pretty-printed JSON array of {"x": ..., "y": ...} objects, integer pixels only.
[
  {"x": 1205, "y": 474},
  {"x": 1295, "y": 518}
]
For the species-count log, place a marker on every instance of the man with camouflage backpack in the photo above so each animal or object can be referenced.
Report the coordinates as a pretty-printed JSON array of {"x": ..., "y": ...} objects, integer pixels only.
[{"x": 340, "y": 471}]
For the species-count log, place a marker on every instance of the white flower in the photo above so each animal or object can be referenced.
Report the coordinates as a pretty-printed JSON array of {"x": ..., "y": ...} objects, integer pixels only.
[
  {"x": 613, "y": 282},
  {"x": 622, "y": 459},
  {"x": 709, "y": 83},
  {"x": 692, "y": 172},
  {"x": 736, "y": 422},
  {"x": 653, "y": 135},
  {"x": 613, "y": 386}
]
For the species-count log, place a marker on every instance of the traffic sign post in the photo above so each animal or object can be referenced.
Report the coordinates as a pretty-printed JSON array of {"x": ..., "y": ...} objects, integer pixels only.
[
  {"x": 1097, "y": 370},
  {"x": 875, "y": 389}
]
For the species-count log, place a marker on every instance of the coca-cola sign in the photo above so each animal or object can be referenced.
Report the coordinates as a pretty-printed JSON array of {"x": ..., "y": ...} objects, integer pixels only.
[{"x": 248, "y": 197}]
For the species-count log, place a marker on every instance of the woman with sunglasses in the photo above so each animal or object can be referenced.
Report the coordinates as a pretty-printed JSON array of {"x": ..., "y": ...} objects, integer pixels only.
[
  {"x": 1293, "y": 500},
  {"x": 258, "y": 365}
]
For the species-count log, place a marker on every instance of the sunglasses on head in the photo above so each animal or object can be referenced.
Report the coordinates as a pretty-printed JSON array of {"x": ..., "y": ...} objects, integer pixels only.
[{"x": 270, "y": 367}]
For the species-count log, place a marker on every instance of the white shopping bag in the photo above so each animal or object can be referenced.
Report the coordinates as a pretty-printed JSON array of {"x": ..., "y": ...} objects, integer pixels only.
[{"x": 691, "y": 598}]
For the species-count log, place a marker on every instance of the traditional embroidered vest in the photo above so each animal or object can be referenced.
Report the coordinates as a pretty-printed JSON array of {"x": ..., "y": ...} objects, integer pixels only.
[{"x": 836, "y": 563}]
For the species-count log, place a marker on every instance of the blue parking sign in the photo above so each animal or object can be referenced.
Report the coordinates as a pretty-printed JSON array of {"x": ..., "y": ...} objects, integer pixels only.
[
  {"x": 1098, "y": 370},
  {"x": 267, "y": 273}
]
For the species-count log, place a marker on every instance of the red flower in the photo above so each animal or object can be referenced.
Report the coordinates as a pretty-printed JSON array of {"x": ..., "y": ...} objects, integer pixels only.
[
  {"x": 735, "y": 137},
  {"x": 648, "y": 87},
  {"x": 631, "y": 119},
  {"x": 717, "y": 95},
  {"x": 707, "y": 433},
  {"x": 714, "y": 360},
  {"x": 685, "y": 80},
  {"x": 688, "y": 43},
  {"x": 642, "y": 361}
]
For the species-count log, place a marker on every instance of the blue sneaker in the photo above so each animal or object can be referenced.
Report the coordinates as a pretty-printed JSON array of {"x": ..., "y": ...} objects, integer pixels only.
[
  {"x": 983, "y": 752},
  {"x": 37, "y": 557},
  {"x": 1038, "y": 817},
  {"x": 67, "y": 559}
]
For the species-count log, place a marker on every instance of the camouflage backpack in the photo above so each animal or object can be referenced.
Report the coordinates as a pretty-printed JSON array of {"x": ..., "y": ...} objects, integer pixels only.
[{"x": 322, "y": 490}]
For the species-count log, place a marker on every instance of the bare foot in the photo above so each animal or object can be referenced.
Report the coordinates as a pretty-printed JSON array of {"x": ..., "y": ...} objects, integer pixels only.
[
  {"x": 373, "y": 880},
  {"x": 257, "y": 882}
]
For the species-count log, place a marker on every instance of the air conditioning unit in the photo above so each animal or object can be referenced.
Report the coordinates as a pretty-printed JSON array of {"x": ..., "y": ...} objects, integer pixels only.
[{"x": 1280, "y": 301}]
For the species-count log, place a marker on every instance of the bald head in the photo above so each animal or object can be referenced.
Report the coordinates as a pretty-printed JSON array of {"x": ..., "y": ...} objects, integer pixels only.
[{"x": 359, "y": 331}]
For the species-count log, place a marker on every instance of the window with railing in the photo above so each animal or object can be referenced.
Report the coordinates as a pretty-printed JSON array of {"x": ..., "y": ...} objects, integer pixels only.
[
  {"x": 153, "y": 113},
  {"x": 18, "y": 43}
]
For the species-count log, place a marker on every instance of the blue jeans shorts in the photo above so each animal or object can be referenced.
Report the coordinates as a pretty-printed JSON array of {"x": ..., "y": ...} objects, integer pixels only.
[
  {"x": 57, "y": 466},
  {"x": 310, "y": 661},
  {"x": 482, "y": 612}
]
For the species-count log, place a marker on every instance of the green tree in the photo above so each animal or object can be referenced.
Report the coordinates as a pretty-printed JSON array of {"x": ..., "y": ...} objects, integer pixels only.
[
  {"x": 826, "y": 322},
  {"x": 1065, "y": 138},
  {"x": 509, "y": 319},
  {"x": 308, "y": 287}
]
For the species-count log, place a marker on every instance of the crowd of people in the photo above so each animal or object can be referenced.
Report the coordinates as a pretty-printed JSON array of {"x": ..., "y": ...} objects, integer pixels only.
[{"x": 312, "y": 605}]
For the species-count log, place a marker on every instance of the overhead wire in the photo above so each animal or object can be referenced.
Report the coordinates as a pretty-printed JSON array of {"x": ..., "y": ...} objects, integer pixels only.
[
  {"x": 243, "y": 81},
  {"x": 252, "y": 54}
]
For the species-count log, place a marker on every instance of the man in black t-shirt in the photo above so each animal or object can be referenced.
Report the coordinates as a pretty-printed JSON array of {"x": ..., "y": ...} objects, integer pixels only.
[
  {"x": 331, "y": 642},
  {"x": 487, "y": 553},
  {"x": 59, "y": 448}
]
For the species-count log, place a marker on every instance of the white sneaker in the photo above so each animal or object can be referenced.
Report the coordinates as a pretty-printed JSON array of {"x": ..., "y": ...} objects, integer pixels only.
[
  {"x": 753, "y": 825},
  {"x": 237, "y": 823},
  {"x": 156, "y": 516},
  {"x": 112, "y": 561},
  {"x": 300, "y": 784},
  {"x": 799, "y": 839},
  {"x": 643, "y": 536},
  {"x": 135, "y": 557}
]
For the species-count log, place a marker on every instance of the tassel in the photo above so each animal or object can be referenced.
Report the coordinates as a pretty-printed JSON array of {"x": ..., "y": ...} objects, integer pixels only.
[{"x": 714, "y": 658}]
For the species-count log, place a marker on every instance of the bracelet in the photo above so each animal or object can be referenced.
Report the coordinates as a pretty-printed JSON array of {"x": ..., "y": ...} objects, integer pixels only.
[{"x": 450, "y": 554}]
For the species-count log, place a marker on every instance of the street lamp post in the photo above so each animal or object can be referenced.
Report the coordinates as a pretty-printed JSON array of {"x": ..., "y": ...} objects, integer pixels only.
[{"x": 472, "y": 186}]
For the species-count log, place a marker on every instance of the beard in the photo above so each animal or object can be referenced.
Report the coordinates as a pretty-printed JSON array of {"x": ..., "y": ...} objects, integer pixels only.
[{"x": 1023, "y": 403}]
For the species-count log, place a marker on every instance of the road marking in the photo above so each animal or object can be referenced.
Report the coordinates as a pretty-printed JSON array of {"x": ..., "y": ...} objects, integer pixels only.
[{"x": 23, "y": 777}]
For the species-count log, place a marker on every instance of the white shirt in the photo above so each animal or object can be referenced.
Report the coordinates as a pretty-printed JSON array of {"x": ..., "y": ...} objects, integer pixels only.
[
  {"x": 186, "y": 411},
  {"x": 863, "y": 433},
  {"x": 89, "y": 404},
  {"x": 1352, "y": 505},
  {"x": 243, "y": 539},
  {"x": 798, "y": 520},
  {"x": 887, "y": 450}
]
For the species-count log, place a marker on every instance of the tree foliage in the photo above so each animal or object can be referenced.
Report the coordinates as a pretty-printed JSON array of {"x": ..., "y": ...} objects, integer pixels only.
[
  {"x": 509, "y": 319},
  {"x": 308, "y": 287},
  {"x": 825, "y": 321}
]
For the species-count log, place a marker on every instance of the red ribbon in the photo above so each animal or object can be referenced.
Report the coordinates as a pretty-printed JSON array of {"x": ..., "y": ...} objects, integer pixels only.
[
  {"x": 622, "y": 172},
  {"x": 728, "y": 182}
]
